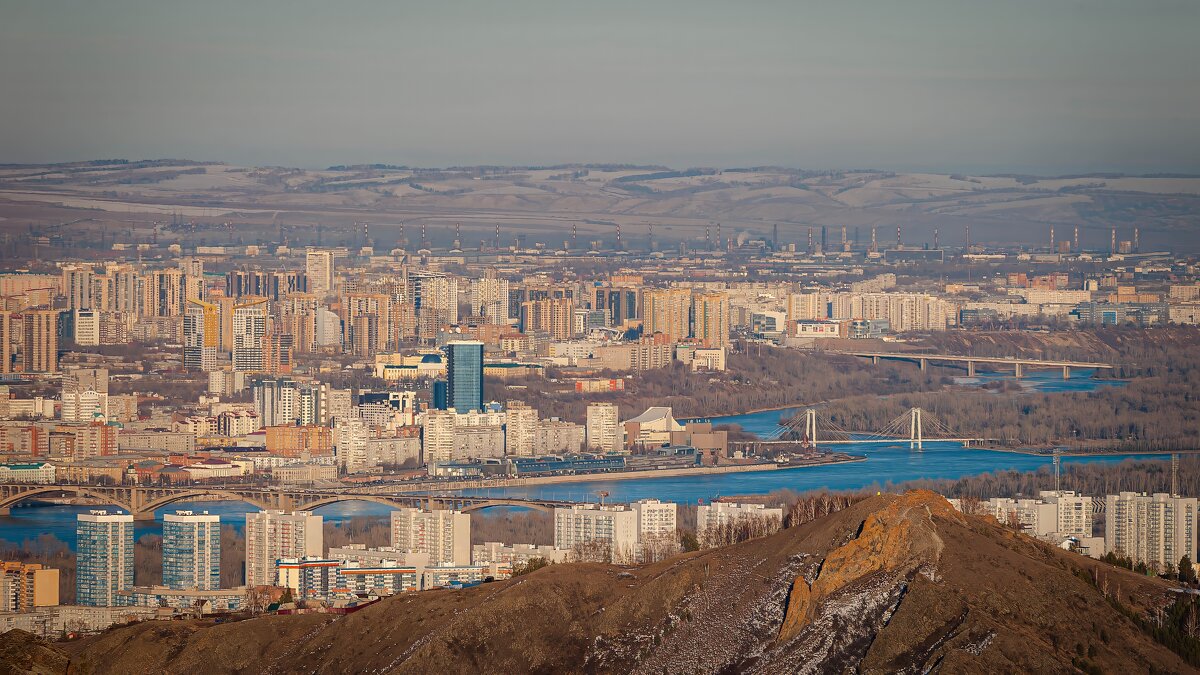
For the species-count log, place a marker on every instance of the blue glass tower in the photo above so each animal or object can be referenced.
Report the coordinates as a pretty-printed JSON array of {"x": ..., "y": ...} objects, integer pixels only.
[
  {"x": 440, "y": 396},
  {"x": 104, "y": 546},
  {"x": 191, "y": 551},
  {"x": 464, "y": 375}
]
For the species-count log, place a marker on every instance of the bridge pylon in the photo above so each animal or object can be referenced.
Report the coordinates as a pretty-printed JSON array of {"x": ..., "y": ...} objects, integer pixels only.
[
  {"x": 916, "y": 431},
  {"x": 810, "y": 427}
]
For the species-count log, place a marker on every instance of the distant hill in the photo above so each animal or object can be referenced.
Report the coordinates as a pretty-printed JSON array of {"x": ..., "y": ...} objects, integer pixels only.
[
  {"x": 540, "y": 201},
  {"x": 892, "y": 584}
]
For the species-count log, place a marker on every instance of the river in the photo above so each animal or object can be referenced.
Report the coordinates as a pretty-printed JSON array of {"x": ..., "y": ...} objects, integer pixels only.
[{"x": 884, "y": 464}]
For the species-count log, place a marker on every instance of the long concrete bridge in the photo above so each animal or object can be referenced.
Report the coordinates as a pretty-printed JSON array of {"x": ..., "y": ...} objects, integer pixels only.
[
  {"x": 1018, "y": 364},
  {"x": 142, "y": 502}
]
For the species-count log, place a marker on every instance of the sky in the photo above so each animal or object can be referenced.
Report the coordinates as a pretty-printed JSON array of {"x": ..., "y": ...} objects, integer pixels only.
[{"x": 1036, "y": 86}]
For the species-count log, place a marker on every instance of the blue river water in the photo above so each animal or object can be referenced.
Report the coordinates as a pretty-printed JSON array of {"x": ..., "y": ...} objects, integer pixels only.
[{"x": 884, "y": 464}]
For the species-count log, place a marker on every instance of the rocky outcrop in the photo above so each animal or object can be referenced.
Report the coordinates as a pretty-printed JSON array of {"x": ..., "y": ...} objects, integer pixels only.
[
  {"x": 893, "y": 584},
  {"x": 900, "y": 537}
]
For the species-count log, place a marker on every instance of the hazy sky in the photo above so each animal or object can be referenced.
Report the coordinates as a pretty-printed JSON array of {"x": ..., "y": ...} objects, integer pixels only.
[{"x": 1029, "y": 85}]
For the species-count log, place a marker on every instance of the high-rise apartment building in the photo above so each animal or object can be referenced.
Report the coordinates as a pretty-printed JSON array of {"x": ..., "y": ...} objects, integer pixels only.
[
  {"x": 104, "y": 557},
  {"x": 666, "y": 311},
  {"x": 191, "y": 551},
  {"x": 520, "y": 432},
  {"x": 271, "y": 535},
  {"x": 7, "y": 340},
  {"x": 26, "y": 587},
  {"x": 77, "y": 285},
  {"x": 437, "y": 435},
  {"x": 434, "y": 297},
  {"x": 615, "y": 526},
  {"x": 603, "y": 428},
  {"x": 806, "y": 307},
  {"x": 118, "y": 289},
  {"x": 40, "y": 351},
  {"x": 444, "y": 535},
  {"x": 164, "y": 293},
  {"x": 350, "y": 438},
  {"x": 87, "y": 327},
  {"x": 84, "y": 394},
  {"x": 655, "y": 518},
  {"x": 489, "y": 298},
  {"x": 1074, "y": 513},
  {"x": 553, "y": 316},
  {"x": 201, "y": 335},
  {"x": 464, "y": 375},
  {"x": 249, "y": 328},
  {"x": 318, "y": 268},
  {"x": 1157, "y": 529},
  {"x": 365, "y": 321},
  {"x": 710, "y": 319}
]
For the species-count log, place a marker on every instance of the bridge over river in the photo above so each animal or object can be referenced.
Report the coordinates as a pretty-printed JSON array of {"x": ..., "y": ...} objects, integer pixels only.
[{"x": 143, "y": 501}]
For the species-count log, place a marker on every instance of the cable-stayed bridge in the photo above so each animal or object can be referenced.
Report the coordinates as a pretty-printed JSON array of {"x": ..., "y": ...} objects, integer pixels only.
[{"x": 914, "y": 426}]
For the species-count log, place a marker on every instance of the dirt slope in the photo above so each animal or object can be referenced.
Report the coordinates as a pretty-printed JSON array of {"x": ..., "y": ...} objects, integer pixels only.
[{"x": 892, "y": 584}]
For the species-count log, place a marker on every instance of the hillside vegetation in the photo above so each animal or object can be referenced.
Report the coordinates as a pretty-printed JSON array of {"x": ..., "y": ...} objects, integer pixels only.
[{"x": 893, "y": 583}]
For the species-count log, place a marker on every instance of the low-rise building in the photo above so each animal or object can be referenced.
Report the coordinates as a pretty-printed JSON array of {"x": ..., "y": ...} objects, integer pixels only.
[
  {"x": 214, "y": 601},
  {"x": 27, "y": 472},
  {"x": 515, "y": 554},
  {"x": 711, "y": 518}
]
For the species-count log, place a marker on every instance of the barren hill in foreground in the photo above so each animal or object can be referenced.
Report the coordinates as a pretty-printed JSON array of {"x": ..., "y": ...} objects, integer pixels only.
[{"x": 891, "y": 584}]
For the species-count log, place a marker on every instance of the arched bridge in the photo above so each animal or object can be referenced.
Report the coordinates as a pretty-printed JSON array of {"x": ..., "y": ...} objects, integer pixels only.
[{"x": 143, "y": 501}]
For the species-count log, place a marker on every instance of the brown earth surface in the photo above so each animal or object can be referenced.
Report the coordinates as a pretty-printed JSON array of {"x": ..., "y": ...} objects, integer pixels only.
[{"x": 891, "y": 584}]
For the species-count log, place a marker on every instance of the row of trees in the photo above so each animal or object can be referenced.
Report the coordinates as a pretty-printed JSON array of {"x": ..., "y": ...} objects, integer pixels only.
[
  {"x": 737, "y": 530},
  {"x": 1089, "y": 478},
  {"x": 1159, "y": 412}
]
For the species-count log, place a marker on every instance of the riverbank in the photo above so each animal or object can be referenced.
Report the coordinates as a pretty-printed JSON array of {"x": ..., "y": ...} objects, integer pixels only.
[
  {"x": 839, "y": 458},
  {"x": 1035, "y": 452}
]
